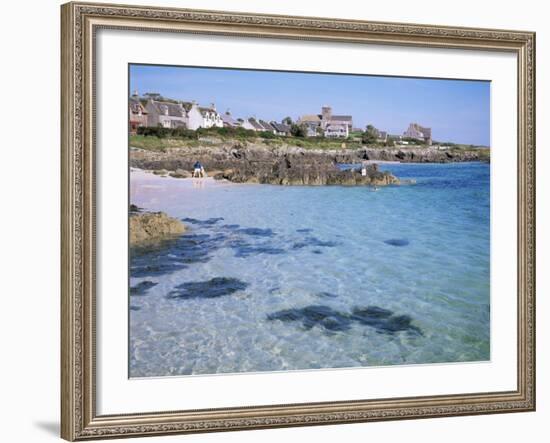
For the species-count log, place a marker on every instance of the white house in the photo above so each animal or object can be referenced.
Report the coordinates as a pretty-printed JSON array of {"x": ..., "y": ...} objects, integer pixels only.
[
  {"x": 201, "y": 117},
  {"x": 337, "y": 130},
  {"x": 229, "y": 121},
  {"x": 267, "y": 127},
  {"x": 245, "y": 124},
  {"x": 252, "y": 124},
  {"x": 281, "y": 128}
]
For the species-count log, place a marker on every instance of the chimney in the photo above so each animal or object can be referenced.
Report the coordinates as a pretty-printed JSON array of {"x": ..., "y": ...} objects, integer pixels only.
[
  {"x": 213, "y": 106},
  {"x": 326, "y": 113}
]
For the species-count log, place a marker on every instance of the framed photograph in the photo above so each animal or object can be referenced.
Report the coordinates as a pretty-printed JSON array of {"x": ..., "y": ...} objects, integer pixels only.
[{"x": 277, "y": 221}]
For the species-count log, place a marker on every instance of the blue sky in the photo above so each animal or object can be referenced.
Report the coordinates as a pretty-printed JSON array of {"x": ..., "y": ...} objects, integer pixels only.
[{"x": 456, "y": 110}]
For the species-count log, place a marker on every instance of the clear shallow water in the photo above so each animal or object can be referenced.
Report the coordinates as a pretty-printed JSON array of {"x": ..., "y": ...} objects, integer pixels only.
[{"x": 314, "y": 277}]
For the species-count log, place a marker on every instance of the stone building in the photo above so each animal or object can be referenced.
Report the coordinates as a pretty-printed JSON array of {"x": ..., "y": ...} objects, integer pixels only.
[
  {"x": 326, "y": 119},
  {"x": 167, "y": 114},
  {"x": 418, "y": 132}
]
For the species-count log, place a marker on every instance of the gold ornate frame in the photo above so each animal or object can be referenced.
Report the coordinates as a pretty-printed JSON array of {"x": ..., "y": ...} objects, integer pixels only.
[{"x": 80, "y": 21}]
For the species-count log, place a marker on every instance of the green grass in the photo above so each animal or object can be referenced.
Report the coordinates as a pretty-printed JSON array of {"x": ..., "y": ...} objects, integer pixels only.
[{"x": 152, "y": 143}]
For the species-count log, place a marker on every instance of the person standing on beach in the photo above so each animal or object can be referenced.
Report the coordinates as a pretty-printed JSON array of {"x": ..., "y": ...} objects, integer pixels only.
[{"x": 197, "y": 169}]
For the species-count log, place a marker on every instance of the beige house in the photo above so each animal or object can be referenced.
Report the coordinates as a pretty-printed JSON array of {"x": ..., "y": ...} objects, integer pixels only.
[{"x": 166, "y": 114}]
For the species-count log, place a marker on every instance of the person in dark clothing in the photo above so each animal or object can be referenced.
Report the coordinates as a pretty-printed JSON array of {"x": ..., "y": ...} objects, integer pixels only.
[{"x": 197, "y": 169}]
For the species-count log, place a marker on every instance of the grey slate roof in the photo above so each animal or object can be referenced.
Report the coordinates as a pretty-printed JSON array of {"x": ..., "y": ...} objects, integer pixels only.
[
  {"x": 280, "y": 127},
  {"x": 174, "y": 109},
  {"x": 266, "y": 126},
  {"x": 204, "y": 110},
  {"x": 227, "y": 119},
  {"x": 342, "y": 118},
  {"x": 256, "y": 125},
  {"x": 136, "y": 105}
]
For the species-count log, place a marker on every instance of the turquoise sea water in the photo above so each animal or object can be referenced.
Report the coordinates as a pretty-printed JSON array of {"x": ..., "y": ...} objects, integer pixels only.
[{"x": 274, "y": 278}]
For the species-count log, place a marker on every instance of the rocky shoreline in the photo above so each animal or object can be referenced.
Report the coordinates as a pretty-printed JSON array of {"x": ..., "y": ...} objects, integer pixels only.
[
  {"x": 260, "y": 165},
  {"x": 291, "y": 165}
]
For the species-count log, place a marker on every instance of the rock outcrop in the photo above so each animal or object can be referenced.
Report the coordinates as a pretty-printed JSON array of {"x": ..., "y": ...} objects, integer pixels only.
[
  {"x": 153, "y": 226},
  {"x": 180, "y": 173},
  {"x": 232, "y": 155},
  {"x": 297, "y": 172},
  {"x": 259, "y": 164}
]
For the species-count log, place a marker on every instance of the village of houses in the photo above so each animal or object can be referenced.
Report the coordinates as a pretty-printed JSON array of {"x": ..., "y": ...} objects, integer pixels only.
[{"x": 152, "y": 111}]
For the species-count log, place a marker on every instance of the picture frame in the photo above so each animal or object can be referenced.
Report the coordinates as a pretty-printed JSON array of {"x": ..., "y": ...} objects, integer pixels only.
[{"x": 80, "y": 25}]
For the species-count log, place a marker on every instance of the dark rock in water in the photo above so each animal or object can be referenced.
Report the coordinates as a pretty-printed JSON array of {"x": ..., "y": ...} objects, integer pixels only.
[
  {"x": 314, "y": 315},
  {"x": 135, "y": 209},
  {"x": 156, "y": 269},
  {"x": 142, "y": 287},
  {"x": 257, "y": 232},
  {"x": 134, "y": 308},
  {"x": 326, "y": 294},
  {"x": 314, "y": 241},
  {"x": 216, "y": 287},
  {"x": 397, "y": 242},
  {"x": 246, "y": 250},
  {"x": 208, "y": 222},
  {"x": 304, "y": 230},
  {"x": 373, "y": 312},
  {"x": 196, "y": 248},
  {"x": 173, "y": 255},
  {"x": 384, "y": 320},
  {"x": 231, "y": 226}
]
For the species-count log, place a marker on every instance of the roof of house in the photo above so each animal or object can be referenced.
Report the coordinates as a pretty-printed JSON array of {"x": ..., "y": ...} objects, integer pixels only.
[
  {"x": 280, "y": 127},
  {"x": 267, "y": 126},
  {"x": 135, "y": 105},
  {"x": 255, "y": 123},
  {"x": 228, "y": 119},
  {"x": 174, "y": 109},
  {"x": 310, "y": 124},
  {"x": 204, "y": 109},
  {"x": 310, "y": 118},
  {"x": 342, "y": 118}
]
